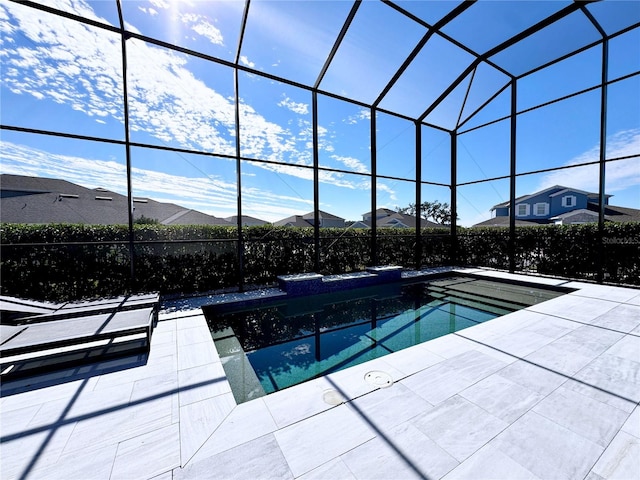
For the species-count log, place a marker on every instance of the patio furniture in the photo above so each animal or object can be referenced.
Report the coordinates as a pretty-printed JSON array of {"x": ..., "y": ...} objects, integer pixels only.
[{"x": 72, "y": 334}]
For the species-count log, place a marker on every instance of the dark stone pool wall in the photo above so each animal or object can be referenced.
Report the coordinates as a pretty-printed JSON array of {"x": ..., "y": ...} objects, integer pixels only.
[{"x": 314, "y": 283}]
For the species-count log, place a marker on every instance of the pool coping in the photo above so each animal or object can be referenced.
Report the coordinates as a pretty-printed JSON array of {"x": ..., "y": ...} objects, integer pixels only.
[{"x": 172, "y": 415}]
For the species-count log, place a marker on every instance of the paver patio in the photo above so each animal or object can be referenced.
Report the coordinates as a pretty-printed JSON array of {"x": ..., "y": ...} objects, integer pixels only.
[{"x": 548, "y": 392}]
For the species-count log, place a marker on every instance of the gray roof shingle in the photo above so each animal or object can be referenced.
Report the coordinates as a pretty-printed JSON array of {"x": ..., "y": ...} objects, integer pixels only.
[{"x": 48, "y": 200}]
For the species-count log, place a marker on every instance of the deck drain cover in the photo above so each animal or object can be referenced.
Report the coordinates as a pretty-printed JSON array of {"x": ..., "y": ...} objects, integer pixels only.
[
  {"x": 332, "y": 397},
  {"x": 379, "y": 379}
]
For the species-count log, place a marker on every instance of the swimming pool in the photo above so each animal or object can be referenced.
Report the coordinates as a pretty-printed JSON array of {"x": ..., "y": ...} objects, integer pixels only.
[{"x": 283, "y": 342}]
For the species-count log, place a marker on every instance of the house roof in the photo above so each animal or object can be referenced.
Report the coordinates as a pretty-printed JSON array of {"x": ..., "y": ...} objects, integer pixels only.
[
  {"x": 391, "y": 218},
  {"x": 380, "y": 211},
  {"x": 560, "y": 190},
  {"x": 323, "y": 214},
  {"x": 617, "y": 214},
  {"x": 293, "y": 221},
  {"x": 612, "y": 213},
  {"x": 359, "y": 224},
  {"x": 567, "y": 190},
  {"x": 397, "y": 220},
  {"x": 27, "y": 199},
  {"x": 573, "y": 213},
  {"x": 503, "y": 221}
]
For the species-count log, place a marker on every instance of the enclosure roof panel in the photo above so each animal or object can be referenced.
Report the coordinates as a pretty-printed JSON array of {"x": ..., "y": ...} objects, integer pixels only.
[
  {"x": 548, "y": 44},
  {"x": 429, "y": 11},
  {"x": 378, "y": 41},
  {"x": 489, "y": 23},
  {"x": 436, "y": 61},
  {"x": 95, "y": 10},
  {"x": 615, "y": 15},
  {"x": 211, "y": 28},
  {"x": 292, "y": 39},
  {"x": 435, "y": 67}
]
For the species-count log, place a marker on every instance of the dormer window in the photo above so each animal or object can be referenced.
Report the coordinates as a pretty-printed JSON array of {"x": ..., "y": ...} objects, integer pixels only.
[
  {"x": 522, "y": 210},
  {"x": 569, "y": 201},
  {"x": 541, "y": 209}
]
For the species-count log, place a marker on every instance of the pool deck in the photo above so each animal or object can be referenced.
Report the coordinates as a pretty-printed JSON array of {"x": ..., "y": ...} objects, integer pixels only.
[{"x": 548, "y": 392}]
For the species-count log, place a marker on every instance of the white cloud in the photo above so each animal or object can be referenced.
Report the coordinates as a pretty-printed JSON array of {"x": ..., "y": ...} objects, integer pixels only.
[
  {"x": 245, "y": 61},
  {"x": 160, "y": 4},
  {"x": 299, "y": 108},
  {"x": 363, "y": 114},
  {"x": 201, "y": 25},
  {"x": 300, "y": 39},
  {"x": 619, "y": 174},
  {"x": 210, "y": 194},
  {"x": 151, "y": 11},
  {"x": 384, "y": 189},
  {"x": 79, "y": 66},
  {"x": 352, "y": 163}
]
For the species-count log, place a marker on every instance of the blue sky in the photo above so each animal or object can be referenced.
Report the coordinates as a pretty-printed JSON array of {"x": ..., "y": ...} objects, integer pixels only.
[{"x": 64, "y": 76}]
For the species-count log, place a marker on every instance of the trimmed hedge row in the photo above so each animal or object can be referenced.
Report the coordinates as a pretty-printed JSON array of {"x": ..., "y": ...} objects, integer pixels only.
[{"x": 66, "y": 262}]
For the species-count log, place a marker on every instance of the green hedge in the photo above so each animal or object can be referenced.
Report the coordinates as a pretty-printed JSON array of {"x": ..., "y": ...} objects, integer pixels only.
[
  {"x": 572, "y": 251},
  {"x": 63, "y": 262}
]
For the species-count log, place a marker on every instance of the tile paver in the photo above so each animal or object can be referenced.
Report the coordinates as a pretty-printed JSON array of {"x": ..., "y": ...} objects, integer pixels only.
[
  {"x": 594, "y": 420},
  {"x": 199, "y": 420},
  {"x": 245, "y": 423},
  {"x": 403, "y": 452},
  {"x": 148, "y": 455},
  {"x": 259, "y": 458},
  {"x": 489, "y": 463},
  {"x": 502, "y": 397},
  {"x": 621, "y": 459},
  {"x": 316, "y": 440},
  {"x": 335, "y": 468},
  {"x": 547, "y": 392},
  {"x": 546, "y": 448}
]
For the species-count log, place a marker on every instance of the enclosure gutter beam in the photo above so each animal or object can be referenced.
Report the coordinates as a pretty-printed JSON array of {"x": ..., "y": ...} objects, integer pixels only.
[
  {"x": 603, "y": 143},
  {"x": 454, "y": 199},
  {"x": 374, "y": 190},
  {"x": 236, "y": 93},
  {"x": 418, "y": 249},
  {"x": 127, "y": 146},
  {"x": 336, "y": 45},
  {"x": 512, "y": 178},
  {"x": 603, "y": 156},
  {"x": 316, "y": 154},
  {"x": 495, "y": 50},
  {"x": 603, "y": 140},
  {"x": 316, "y": 183}
]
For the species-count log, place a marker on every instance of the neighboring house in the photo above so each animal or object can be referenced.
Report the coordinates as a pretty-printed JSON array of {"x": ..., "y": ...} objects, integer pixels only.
[
  {"x": 386, "y": 218},
  {"x": 559, "y": 205},
  {"x": 247, "y": 221},
  {"x": 40, "y": 200},
  {"x": 327, "y": 220},
  {"x": 293, "y": 221}
]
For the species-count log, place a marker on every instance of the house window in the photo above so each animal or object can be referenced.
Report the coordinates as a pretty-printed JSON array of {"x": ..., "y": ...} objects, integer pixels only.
[
  {"x": 541, "y": 209},
  {"x": 569, "y": 201},
  {"x": 522, "y": 210}
]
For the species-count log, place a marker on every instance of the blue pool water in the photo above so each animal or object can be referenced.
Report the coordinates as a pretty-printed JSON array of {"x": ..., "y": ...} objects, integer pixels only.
[{"x": 277, "y": 345}]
